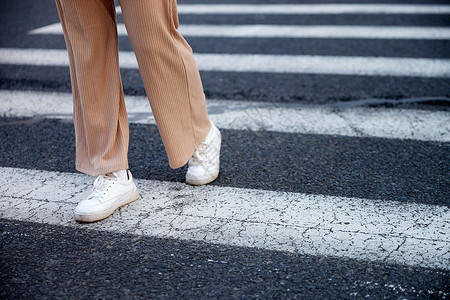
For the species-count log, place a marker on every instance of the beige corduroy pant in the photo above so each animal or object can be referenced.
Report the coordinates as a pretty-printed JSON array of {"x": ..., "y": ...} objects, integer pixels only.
[{"x": 168, "y": 70}]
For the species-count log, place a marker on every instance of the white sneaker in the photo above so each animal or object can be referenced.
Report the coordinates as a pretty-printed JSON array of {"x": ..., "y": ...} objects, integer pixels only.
[
  {"x": 108, "y": 194},
  {"x": 204, "y": 164}
]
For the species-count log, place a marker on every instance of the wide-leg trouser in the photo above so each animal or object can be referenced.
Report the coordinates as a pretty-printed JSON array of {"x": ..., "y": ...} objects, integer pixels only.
[{"x": 168, "y": 70}]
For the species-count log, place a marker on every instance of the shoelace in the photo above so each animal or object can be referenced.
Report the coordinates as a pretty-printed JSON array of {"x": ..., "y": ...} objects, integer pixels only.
[
  {"x": 199, "y": 155},
  {"x": 101, "y": 185},
  {"x": 202, "y": 155}
]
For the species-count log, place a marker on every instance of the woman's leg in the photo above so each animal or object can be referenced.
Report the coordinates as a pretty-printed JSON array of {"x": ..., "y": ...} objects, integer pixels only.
[
  {"x": 100, "y": 118},
  {"x": 170, "y": 76},
  {"x": 101, "y": 124}
]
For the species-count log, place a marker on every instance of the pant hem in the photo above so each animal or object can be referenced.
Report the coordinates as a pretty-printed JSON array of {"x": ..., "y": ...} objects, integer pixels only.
[
  {"x": 102, "y": 171},
  {"x": 184, "y": 160}
]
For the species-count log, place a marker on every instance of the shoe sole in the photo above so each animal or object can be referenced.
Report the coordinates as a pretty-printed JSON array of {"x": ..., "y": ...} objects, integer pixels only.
[
  {"x": 88, "y": 218},
  {"x": 201, "y": 181}
]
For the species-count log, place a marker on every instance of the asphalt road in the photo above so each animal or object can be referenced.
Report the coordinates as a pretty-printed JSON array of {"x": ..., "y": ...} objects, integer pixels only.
[{"x": 44, "y": 260}]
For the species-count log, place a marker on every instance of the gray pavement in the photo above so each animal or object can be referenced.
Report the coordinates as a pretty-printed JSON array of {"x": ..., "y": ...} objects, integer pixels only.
[{"x": 44, "y": 254}]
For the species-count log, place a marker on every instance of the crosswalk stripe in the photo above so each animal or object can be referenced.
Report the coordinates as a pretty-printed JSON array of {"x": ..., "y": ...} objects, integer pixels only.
[
  {"x": 405, "y": 233},
  {"x": 282, "y": 31},
  {"x": 386, "y": 232},
  {"x": 294, "y": 64},
  {"x": 259, "y": 116},
  {"x": 310, "y": 9}
]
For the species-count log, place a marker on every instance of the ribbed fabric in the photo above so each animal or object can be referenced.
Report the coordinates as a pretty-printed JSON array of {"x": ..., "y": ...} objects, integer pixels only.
[{"x": 168, "y": 69}]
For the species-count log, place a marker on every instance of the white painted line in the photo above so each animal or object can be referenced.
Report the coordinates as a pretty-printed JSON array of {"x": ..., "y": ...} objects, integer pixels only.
[
  {"x": 391, "y": 232},
  {"x": 50, "y": 29},
  {"x": 280, "y": 31},
  {"x": 260, "y": 116},
  {"x": 295, "y": 64},
  {"x": 298, "y": 9},
  {"x": 337, "y": 65}
]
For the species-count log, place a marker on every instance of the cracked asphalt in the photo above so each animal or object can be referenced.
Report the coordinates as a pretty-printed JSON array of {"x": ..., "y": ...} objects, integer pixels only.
[
  {"x": 60, "y": 262},
  {"x": 291, "y": 216},
  {"x": 401, "y": 170},
  {"x": 410, "y": 234}
]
